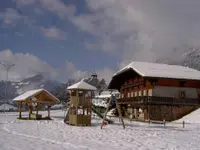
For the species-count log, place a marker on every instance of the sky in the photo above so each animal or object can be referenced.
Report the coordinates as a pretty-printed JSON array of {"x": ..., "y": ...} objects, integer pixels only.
[{"x": 72, "y": 38}]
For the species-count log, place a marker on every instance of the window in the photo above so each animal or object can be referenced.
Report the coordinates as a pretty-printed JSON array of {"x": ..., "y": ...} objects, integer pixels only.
[
  {"x": 140, "y": 93},
  {"x": 128, "y": 94},
  {"x": 73, "y": 93},
  {"x": 132, "y": 94},
  {"x": 136, "y": 94},
  {"x": 150, "y": 92},
  {"x": 182, "y": 94},
  {"x": 145, "y": 92}
]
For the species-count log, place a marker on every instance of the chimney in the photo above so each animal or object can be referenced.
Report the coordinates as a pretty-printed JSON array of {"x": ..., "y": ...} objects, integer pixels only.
[{"x": 94, "y": 75}]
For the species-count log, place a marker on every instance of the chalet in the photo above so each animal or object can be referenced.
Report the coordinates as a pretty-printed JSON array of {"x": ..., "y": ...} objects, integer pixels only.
[{"x": 157, "y": 91}]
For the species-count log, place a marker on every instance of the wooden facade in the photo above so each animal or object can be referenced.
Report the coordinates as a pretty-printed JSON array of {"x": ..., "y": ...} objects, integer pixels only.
[
  {"x": 80, "y": 106},
  {"x": 152, "y": 96},
  {"x": 79, "y": 112}
]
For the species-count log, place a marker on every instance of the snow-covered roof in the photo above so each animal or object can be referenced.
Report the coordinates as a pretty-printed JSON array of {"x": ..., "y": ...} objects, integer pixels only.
[
  {"x": 32, "y": 93},
  {"x": 107, "y": 94},
  {"x": 82, "y": 86},
  {"x": 147, "y": 69},
  {"x": 103, "y": 96}
]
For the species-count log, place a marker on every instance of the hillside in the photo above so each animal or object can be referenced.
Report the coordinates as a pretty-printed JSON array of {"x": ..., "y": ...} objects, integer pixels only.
[{"x": 16, "y": 88}]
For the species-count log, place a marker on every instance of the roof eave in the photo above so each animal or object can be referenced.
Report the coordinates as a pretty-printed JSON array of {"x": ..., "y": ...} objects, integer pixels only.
[
  {"x": 82, "y": 89},
  {"x": 170, "y": 78}
]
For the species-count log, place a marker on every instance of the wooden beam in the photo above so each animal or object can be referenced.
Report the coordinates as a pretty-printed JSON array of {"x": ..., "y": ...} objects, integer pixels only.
[
  {"x": 45, "y": 102},
  {"x": 20, "y": 110},
  {"x": 29, "y": 108},
  {"x": 120, "y": 114},
  {"x": 37, "y": 108},
  {"x": 49, "y": 111},
  {"x": 104, "y": 118}
]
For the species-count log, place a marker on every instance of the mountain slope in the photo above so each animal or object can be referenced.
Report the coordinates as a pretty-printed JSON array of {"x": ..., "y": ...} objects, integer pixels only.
[
  {"x": 16, "y": 88},
  {"x": 189, "y": 58}
]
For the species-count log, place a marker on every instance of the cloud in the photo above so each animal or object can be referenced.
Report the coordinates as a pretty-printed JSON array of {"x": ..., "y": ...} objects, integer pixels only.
[
  {"x": 70, "y": 71},
  {"x": 57, "y": 7},
  {"x": 10, "y": 16},
  {"x": 25, "y": 2},
  {"x": 53, "y": 32},
  {"x": 105, "y": 73},
  {"x": 25, "y": 65},
  {"x": 140, "y": 30},
  {"x": 144, "y": 30}
]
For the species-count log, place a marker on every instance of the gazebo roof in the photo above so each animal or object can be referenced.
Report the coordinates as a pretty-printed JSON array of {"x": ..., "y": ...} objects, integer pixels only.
[
  {"x": 82, "y": 85},
  {"x": 41, "y": 94}
]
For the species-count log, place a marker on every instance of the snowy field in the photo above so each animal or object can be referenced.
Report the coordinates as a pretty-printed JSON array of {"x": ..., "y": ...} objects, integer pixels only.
[{"x": 40, "y": 135}]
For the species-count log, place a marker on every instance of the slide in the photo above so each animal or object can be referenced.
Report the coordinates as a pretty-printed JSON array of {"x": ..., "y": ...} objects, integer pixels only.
[
  {"x": 100, "y": 115},
  {"x": 66, "y": 116}
]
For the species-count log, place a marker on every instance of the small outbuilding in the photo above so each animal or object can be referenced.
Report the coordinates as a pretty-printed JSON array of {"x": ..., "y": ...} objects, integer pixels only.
[
  {"x": 79, "y": 112},
  {"x": 34, "y": 99}
]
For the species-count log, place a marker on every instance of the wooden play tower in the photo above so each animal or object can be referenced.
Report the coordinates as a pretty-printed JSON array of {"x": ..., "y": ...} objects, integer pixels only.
[{"x": 79, "y": 112}]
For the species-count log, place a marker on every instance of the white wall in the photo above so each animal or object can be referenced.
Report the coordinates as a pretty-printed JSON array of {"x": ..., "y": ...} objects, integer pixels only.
[{"x": 167, "y": 91}]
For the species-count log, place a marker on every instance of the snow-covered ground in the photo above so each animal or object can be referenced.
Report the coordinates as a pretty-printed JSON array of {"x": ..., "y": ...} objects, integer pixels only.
[{"x": 39, "y": 135}]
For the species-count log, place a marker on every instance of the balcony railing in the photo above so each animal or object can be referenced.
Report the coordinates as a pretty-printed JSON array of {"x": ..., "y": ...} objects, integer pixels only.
[{"x": 153, "y": 100}]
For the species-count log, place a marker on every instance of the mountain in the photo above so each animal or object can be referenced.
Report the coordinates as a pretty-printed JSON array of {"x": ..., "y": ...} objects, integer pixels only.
[
  {"x": 40, "y": 81},
  {"x": 192, "y": 59},
  {"x": 61, "y": 93},
  {"x": 34, "y": 82},
  {"x": 189, "y": 58},
  {"x": 37, "y": 81}
]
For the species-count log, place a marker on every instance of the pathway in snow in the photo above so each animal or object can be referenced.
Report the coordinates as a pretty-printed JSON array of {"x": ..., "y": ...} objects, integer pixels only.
[
  {"x": 11, "y": 141},
  {"x": 20, "y": 134}
]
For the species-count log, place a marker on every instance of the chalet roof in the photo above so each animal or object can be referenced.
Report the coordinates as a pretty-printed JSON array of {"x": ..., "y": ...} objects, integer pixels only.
[
  {"x": 32, "y": 93},
  {"x": 146, "y": 69},
  {"x": 82, "y": 85}
]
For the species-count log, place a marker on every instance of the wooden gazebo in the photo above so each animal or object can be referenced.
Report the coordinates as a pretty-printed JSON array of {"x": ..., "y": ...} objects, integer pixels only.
[
  {"x": 79, "y": 112},
  {"x": 33, "y": 99}
]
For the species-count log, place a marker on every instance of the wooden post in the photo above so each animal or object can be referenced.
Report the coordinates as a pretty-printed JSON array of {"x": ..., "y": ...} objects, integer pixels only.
[
  {"x": 29, "y": 108},
  {"x": 84, "y": 111},
  {"x": 183, "y": 124},
  {"x": 120, "y": 114},
  {"x": 37, "y": 108},
  {"x": 20, "y": 110},
  {"x": 148, "y": 112},
  {"x": 49, "y": 111},
  {"x": 105, "y": 113},
  {"x": 164, "y": 122}
]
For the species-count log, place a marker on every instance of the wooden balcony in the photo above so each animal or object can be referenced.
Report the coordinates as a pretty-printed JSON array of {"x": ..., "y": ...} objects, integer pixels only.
[{"x": 153, "y": 100}]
